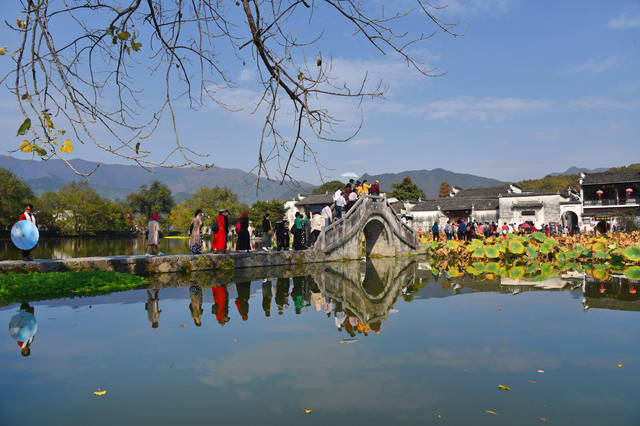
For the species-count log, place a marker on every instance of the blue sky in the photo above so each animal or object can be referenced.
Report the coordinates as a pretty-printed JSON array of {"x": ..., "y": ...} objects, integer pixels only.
[{"x": 531, "y": 88}]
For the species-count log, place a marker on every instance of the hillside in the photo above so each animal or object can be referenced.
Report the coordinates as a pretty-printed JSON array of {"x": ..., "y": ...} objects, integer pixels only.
[
  {"x": 562, "y": 182},
  {"x": 429, "y": 180},
  {"x": 115, "y": 181}
]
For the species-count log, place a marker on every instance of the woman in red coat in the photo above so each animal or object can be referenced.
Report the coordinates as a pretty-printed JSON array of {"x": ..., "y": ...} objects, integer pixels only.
[{"x": 219, "y": 238}]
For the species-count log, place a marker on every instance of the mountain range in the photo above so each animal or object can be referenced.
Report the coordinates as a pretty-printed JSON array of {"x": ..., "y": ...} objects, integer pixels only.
[
  {"x": 576, "y": 170},
  {"x": 429, "y": 180},
  {"x": 115, "y": 181}
]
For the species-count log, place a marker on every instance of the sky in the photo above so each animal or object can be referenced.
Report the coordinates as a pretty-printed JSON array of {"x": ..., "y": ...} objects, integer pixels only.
[{"x": 530, "y": 88}]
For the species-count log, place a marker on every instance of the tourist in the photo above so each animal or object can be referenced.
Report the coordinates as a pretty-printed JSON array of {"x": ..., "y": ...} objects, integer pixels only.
[
  {"x": 352, "y": 198},
  {"x": 153, "y": 233},
  {"x": 195, "y": 242},
  {"x": 359, "y": 188},
  {"x": 375, "y": 188},
  {"x": 220, "y": 307},
  {"x": 282, "y": 234},
  {"x": 23, "y": 327},
  {"x": 225, "y": 214},
  {"x": 462, "y": 227},
  {"x": 266, "y": 232},
  {"x": 340, "y": 205},
  {"x": 480, "y": 230},
  {"x": 242, "y": 229},
  {"x": 447, "y": 230},
  {"x": 242, "y": 301},
  {"x": 435, "y": 231},
  {"x": 267, "y": 295},
  {"x": 348, "y": 188},
  {"x": 488, "y": 230},
  {"x": 326, "y": 215},
  {"x": 297, "y": 232},
  {"x": 195, "y": 307},
  {"x": 28, "y": 215},
  {"x": 317, "y": 223},
  {"x": 219, "y": 241},
  {"x": 306, "y": 232},
  {"x": 152, "y": 308},
  {"x": 365, "y": 187},
  {"x": 505, "y": 230}
]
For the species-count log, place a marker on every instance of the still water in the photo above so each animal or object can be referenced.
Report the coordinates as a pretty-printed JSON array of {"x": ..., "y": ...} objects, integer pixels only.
[{"x": 366, "y": 343}]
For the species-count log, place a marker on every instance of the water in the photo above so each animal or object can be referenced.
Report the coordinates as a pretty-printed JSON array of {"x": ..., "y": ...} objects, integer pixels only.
[{"x": 411, "y": 350}]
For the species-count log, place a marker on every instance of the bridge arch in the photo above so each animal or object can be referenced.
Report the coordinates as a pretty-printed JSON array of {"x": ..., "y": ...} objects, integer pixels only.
[{"x": 377, "y": 238}]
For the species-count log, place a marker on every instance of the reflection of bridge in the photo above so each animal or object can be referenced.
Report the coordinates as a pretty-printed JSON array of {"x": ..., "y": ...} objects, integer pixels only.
[
  {"x": 370, "y": 219},
  {"x": 369, "y": 291}
]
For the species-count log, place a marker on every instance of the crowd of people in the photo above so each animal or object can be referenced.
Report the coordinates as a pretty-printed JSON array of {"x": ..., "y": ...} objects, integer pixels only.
[{"x": 464, "y": 230}]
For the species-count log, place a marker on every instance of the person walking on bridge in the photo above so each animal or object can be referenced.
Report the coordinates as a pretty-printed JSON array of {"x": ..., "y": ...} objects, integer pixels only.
[
  {"x": 340, "y": 205},
  {"x": 375, "y": 188},
  {"x": 326, "y": 215}
]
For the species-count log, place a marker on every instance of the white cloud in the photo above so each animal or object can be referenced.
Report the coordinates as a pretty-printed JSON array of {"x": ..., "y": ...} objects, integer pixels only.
[
  {"x": 627, "y": 19},
  {"x": 473, "y": 7},
  {"x": 350, "y": 175},
  {"x": 595, "y": 102},
  {"x": 246, "y": 74},
  {"x": 483, "y": 109},
  {"x": 595, "y": 66}
]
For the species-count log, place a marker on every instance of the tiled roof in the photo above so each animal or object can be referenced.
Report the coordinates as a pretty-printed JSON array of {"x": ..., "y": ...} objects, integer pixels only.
[
  {"x": 315, "y": 199},
  {"x": 485, "y": 192},
  {"x": 612, "y": 177},
  {"x": 456, "y": 203}
]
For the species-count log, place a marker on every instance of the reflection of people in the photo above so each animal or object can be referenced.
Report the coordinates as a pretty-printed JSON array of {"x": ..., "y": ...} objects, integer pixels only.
[
  {"x": 153, "y": 313},
  {"x": 220, "y": 307},
  {"x": 28, "y": 215},
  {"x": 242, "y": 301},
  {"x": 23, "y": 327},
  {"x": 296, "y": 293},
  {"x": 267, "y": 295},
  {"x": 195, "y": 307},
  {"x": 282, "y": 294}
]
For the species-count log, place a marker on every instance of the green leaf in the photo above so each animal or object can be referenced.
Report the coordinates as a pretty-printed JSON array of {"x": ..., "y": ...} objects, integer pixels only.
[
  {"x": 452, "y": 244},
  {"x": 26, "y": 125},
  {"x": 533, "y": 268},
  {"x": 491, "y": 252},
  {"x": 632, "y": 253},
  {"x": 633, "y": 272},
  {"x": 539, "y": 236},
  {"x": 492, "y": 268},
  {"x": 532, "y": 252},
  {"x": 515, "y": 246},
  {"x": 39, "y": 150},
  {"x": 516, "y": 272},
  {"x": 137, "y": 147},
  {"x": 479, "y": 252},
  {"x": 601, "y": 255}
]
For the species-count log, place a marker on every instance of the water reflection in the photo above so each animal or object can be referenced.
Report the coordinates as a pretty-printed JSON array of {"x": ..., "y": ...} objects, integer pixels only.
[
  {"x": 195, "y": 307},
  {"x": 152, "y": 308},
  {"x": 23, "y": 328},
  {"x": 220, "y": 307}
]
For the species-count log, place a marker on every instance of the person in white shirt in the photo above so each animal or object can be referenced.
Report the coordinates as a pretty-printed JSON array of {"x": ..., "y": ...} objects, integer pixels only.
[
  {"x": 340, "y": 204},
  {"x": 326, "y": 215},
  {"x": 317, "y": 222}
]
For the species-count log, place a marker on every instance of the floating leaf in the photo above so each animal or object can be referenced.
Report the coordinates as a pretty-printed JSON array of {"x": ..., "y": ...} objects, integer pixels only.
[
  {"x": 491, "y": 412},
  {"x": 515, "y": 246},
  {"x": 601, "y": 255},
  {"x": 492, "y": 268},
  {"x": 478, "y": 266},
  {"x": 532, "y": 252},
  {"x": 632, "y": 253},
  {"x": 491, "y": 252},
  {"x": 516, "y": 272},
  {"x": 633, "y": 273},
  {"x": 26, "y": 125},
  {"x": 452, "y": 244},
  {"x": 503, "y": 387},
  {"x": 540, "y": 371},
  {"x": 307, "y": 411},
  {"x": 546, "y": 248},
  {"x": 533, "y": 268},
  {"x": 100, "y": 392},
  {"x": 479, "y": 252},
  {"x": 539, "y": 236}
]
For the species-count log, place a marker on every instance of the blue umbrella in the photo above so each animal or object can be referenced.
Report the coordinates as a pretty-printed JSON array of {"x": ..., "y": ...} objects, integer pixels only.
[{"x": 25, "y": 235}]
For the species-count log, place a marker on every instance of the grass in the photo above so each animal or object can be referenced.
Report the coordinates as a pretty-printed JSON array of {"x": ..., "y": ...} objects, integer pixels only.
[{"x": 33, "y": 286}]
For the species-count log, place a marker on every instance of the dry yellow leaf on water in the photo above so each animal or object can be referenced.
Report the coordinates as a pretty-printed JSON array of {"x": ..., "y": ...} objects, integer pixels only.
[
  {"x": 492, "y": 412},
  {"x": 307, "y": 411},
  {"x": 503, "y": 387},
  {"x": 540, "y": 371},
  {"x": 100, "y": 393},
  {"x": 342, "y": 342},
  {"x": 532, "y": 381},
  {"x": 619, "y": 365},
  {"x": 544, "y": 419}
]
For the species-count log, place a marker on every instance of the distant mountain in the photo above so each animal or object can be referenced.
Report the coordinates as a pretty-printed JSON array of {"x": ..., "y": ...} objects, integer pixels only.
[
  {"x": 429, "y": 180},
  {"x": 576, "y": 170},
  {"x": 115, "y": 181}
]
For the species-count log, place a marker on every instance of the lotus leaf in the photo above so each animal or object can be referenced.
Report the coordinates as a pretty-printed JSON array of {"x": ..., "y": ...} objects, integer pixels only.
[
  {"x": 453, "y": 273},
  {"x": 599, "y": 246},
  {"x": 546, "y": 248},
  {"x": 452, "y": 244},
  {"x": 632, "y": 253},
  {"x": 515, "y": 247},
  {"x": 547, "y": 269},
  {"x": 561, "y": 257},
  {"x": 434, "y": 245},
  {"x": 633, "y": 272},
  {"x": 472, "y": 271},
  {"x": 516, "y": 272},
  {"x": 539, "y": 236},
  {"x": 601, "y": 255},
  {"x": 490, "y": 276},
  {"x": 532, "y": 252},
  {"x": 493, "y": 268},
  {"x": 479, "y": 252},
  {"x": 572, "y": 254},
  {"x": 491, "y": 252},
  {"x": 478, "y": 266},
  {"x": 533, "y": 268},
  {"x": 601, "y": 274}
]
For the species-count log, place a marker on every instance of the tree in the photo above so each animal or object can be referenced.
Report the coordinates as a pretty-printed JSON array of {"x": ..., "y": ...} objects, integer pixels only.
[
  {"x": 156, "y": 199},
  {"x": 260, "y": 208},
  {"x": 78, "y": 68},
  {"x": 15, "y": 195},
  {"x": 77, "y": 209},
  {"x": 445, "y": 190},
  {"x": 210, "y": 201},
  {"x": 406, "y": 190},
  {"x": 328, "y": 187}
]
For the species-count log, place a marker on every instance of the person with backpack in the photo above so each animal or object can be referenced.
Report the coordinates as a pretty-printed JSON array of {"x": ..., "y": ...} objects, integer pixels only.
[
  {"x": 195, "y": 240},
  {"x": 218, "y": 244},
  {"x": 242, "y": 229},
  {"x": 435, "y": 230}
]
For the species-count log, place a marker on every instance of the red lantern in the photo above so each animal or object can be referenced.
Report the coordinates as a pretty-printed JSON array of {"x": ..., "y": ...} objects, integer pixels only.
[
  {"x": 629, "y": 191},
  {"x": 599, "y": 192}
]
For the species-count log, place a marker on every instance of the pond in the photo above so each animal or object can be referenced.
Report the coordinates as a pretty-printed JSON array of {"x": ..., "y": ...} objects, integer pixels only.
[{"x": 376, "y": 342}]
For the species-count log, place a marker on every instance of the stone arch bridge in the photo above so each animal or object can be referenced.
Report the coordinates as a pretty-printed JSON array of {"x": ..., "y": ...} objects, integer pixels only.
[{"x": 370, "y": 228}]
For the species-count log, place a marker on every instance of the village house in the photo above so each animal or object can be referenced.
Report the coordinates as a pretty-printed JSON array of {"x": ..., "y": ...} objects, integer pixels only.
[
  {"x": 610, "y": 199},
  {"x": 307, "y": 205}
]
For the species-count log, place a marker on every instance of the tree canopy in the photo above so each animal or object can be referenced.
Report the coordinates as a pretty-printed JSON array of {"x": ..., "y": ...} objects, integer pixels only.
[
  {"x": 78, "y": 67},
  {"x": 406, "y": 190},
  {"x": 147, "y": 201},
  {"x": 328, "y": 187},
  {"x": 210, "y": 201},
  {"x": 260, "y": 208},
  {"x": 445, "y": 190},
  {"x": 15, "y": 195}
]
